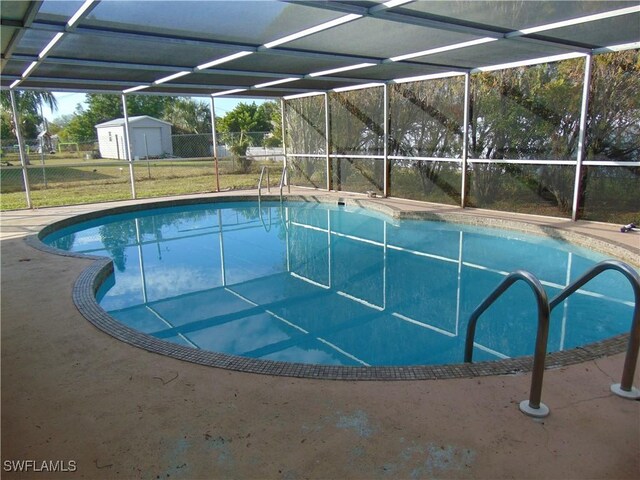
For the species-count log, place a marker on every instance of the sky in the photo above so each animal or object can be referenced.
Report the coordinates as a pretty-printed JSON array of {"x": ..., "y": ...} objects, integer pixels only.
[{"x": 67, "y": 104}]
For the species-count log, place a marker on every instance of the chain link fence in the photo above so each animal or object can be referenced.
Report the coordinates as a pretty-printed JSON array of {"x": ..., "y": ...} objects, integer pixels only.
[{"x": 68, "y": 173}]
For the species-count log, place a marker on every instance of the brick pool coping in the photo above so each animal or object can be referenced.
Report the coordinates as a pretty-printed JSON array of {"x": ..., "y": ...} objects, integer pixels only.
[{"x": 90, "y": 280}]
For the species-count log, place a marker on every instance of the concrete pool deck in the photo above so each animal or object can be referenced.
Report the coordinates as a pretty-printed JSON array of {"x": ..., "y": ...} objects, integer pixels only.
[{"x": 71, "y": 392}]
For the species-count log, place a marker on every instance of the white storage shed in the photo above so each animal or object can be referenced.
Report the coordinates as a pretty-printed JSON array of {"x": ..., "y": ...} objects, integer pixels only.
[{"x": 149, "y": 137}]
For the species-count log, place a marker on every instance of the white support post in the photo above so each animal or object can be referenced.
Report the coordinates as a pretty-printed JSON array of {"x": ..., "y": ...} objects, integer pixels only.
[
  {"x": 327, "y": 143},
  {"x": 284, "y": 145},
  {"x": 465, "y": 140},
  {"x": 584, "y": 109},
  {"x": 127, "y": 140},
  {"x": 215, "y": 142},
  {"x": 386, "y": 170},
  {"x": 23, "y": 156}
]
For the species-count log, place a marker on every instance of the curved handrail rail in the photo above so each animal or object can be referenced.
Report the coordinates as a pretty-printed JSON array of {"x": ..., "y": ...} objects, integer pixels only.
[
  {"x": 260, "y": 182},
  {"x": 534, "y": 407},
  {"x": 631, "y": 274}
]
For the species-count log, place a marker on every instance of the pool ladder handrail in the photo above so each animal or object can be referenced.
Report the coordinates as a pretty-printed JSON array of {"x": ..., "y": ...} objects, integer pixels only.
[
  {"x": 625, "y": 388},
  {"x": 533, "y": 406},
  {"x": 264, "y": 168}
]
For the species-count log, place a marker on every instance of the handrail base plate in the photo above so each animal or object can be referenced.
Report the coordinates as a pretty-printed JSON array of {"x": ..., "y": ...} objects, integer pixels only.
[
  {"x": 633, "y": 394},
  {"x": 540, "y": 412}
]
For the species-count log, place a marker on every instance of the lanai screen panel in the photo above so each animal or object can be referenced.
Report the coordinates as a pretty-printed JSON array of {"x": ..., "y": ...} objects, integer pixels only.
[
  {"x": 530, "y": 115},
  {"x": 306, "y": 135},
  {"x": 357, "y": 122},
  {"x": 427, "y": 118},
  {"x": 426, "y": 137},
  {"x": 357, "y": 139},
  {"x": 527, "y": 112},
  {"x": 612, "y": 181},
  {"x": 122, "y": 46}
]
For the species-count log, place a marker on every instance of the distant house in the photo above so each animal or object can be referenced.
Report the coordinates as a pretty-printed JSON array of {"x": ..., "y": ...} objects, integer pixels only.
[{"x": 150, "y": 137}]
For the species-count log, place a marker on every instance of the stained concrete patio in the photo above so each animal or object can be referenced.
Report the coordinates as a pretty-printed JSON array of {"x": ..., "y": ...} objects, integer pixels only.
[{"x": 71, "y": 392}]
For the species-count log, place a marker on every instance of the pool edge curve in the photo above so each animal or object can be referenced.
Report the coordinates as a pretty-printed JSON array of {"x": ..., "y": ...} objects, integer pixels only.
[{"x": 92, "y": 277}]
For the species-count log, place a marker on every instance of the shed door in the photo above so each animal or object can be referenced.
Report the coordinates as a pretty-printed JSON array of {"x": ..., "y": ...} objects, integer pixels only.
[{"x": 153, "y": 142}]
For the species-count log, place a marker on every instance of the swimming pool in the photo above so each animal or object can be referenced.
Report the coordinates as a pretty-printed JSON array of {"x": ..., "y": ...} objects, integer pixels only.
[{"x": 329, "y": 285}]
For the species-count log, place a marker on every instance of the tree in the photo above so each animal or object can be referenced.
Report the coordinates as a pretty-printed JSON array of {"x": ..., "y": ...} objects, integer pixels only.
[
  {"x": 105, "y": 107},
  {"x": 271, "y": 110},
  {"x": 305, "y": 124},
  {"x": 427, "y": 121},
  {"x": 526, "y": 113},
  {"x": 243, "y": 127},
  {"x": 613, "y": 124},
  {"x": 28, "y": 105},
  {"x": 613, "y": 134},
  {"x": 305, "y": 127},
  {"x": 80, "y": 128},
  {"x": 60, "y": 123},
  {"x": 188, "y": 116},
  {"x": 357, "y": 128}
]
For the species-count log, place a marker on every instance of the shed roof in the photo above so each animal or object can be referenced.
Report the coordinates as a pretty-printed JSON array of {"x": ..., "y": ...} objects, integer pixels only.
[
  {"x": 291, "y": 47},
  {"x": 118, "y": 122}
]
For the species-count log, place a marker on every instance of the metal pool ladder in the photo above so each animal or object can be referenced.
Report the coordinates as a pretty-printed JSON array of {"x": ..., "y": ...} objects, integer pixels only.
[
  {"x": 625, "y": 388},
  {"x": 534, "y": 407},
  {"x": 282, "y": 178}
]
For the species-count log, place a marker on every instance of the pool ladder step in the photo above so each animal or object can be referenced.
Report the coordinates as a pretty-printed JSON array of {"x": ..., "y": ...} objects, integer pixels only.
[{"x": 533, "y": 406}]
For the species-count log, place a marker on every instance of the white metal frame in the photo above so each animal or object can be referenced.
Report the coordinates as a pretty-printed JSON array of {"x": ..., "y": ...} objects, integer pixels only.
[
  {"x": 127, "y": 137},
  {"x": 579, "y": 162},
  {"x": 215, "y": 141},
  {"x": 584, "y": 108},
  {"x": 23, "y": 155},
  {"x": 384, "y": 11}
]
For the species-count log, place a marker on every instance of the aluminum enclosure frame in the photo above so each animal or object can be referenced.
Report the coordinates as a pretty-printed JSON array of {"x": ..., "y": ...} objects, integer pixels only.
[{"x": 308, "y": 50}]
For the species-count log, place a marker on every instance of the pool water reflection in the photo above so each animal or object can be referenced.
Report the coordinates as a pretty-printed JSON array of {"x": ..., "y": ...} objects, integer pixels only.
[{"x": 322, "y": 284}]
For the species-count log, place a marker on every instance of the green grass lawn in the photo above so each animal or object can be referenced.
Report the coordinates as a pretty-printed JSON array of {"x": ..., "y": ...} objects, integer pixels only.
[{"x": 68, "y": 182}]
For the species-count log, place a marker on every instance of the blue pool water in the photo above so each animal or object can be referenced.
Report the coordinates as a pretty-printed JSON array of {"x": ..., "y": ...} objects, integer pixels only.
[{"x": 323, "y": 284}]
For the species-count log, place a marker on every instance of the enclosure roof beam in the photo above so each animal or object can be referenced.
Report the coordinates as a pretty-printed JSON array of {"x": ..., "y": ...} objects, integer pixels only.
[
  {"x": 481, "y": 31},
  {"x": 126, "y": 84},
  {"x": 169, "y": 69},
  {"x": 70, "y": 26},
  {"x": 34, "y": 8},
  {"x": 424, "y": 20},
  {"x": 183, "y": 40},
  {"x": 324, "y": 65},
  {"x": 118, "y": 91},
  {"x": 123, "y": 34},
  {"x": 445, "y": 23},
  {"x": 84, "y": 11}
]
